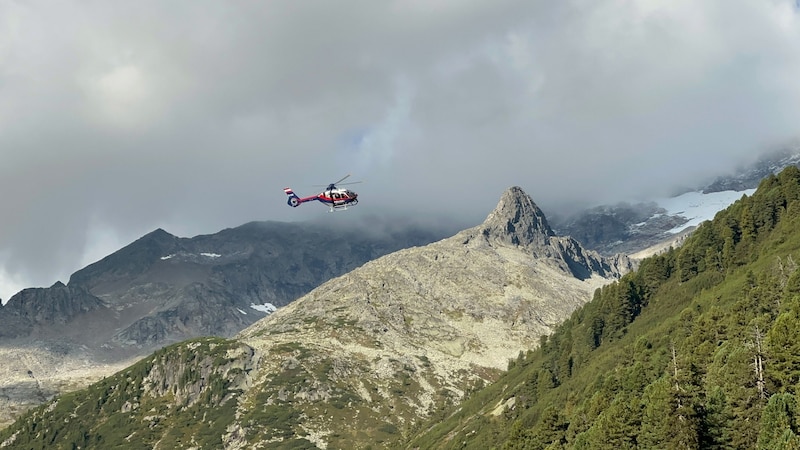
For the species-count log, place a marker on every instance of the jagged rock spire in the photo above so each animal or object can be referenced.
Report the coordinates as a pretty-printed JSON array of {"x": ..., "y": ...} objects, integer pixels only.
[{"x": 517, "y": 220}]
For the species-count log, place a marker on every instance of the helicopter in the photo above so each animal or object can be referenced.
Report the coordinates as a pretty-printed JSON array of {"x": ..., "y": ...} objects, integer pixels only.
[{"x": 336, "y": 198}]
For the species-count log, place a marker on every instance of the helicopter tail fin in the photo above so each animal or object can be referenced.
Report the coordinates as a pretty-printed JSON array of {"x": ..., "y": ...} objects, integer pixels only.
[{"x": 293, "y": 200}]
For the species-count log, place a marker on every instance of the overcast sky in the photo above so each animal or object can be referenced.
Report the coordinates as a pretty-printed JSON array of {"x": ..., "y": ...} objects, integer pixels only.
[{"x": 119, "y": 117}]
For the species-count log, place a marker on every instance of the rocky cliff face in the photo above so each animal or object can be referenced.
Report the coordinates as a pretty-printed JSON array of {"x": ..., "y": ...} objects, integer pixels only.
[
  {"x": 518, "y": 222},
  {"x": 32, "y": 308}
]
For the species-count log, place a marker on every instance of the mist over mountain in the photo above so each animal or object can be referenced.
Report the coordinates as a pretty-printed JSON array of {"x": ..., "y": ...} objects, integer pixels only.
[{"x": 630, "y": 227}]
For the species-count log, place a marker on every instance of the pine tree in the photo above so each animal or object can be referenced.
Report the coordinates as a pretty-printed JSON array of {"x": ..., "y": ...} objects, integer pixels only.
[
  {"x": 718, "y": 423},
  {"x": 779, "y": 423},
  {"x": 748, "y": 226},
  {"x": 731, "y": 373},
  {"x": 670, "y": 417},
  {"x": 618, "y": 426},
  {"x": 783, "y": 348},
  {"x": 549, "y": 432}
]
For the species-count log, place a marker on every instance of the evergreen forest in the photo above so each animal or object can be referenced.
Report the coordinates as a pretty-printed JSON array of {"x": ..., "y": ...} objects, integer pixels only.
[{"x": 699, "y": 348}]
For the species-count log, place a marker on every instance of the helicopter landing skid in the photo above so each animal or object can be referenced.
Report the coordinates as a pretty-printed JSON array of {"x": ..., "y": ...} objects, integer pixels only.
[{"x": 343, "y": 207}]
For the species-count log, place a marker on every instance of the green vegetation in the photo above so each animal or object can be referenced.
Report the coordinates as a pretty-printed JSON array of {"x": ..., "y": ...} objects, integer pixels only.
[
  {"x": 698, "y": 348},
  {"x": 139, "y": 406}
]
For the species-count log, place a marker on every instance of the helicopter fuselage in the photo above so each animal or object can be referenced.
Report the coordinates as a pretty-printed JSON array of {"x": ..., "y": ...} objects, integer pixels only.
[{"x": 335, "y": 198}]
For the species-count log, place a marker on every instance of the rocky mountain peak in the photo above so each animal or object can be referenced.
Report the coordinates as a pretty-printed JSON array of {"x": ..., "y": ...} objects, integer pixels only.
[{"x": 517, "y": 220}]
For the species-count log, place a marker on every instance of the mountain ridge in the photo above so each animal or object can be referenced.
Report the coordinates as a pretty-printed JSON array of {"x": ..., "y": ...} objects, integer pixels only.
[
  {"x": 397, "y": 339},
  {"x": 162, "y": 289}
]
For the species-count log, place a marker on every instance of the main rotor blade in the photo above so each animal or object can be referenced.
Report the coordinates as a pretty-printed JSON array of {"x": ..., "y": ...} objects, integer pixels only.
[
  {"x": 338, "y": 182},
  {"x": 344, "y": 178}
]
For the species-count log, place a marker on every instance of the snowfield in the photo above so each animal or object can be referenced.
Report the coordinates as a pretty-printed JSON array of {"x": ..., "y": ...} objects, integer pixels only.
[{"x": 698, "y": 207}]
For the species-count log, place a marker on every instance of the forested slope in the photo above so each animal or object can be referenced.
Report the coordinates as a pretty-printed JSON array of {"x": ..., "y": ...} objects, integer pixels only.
[{"x": 699, "y": 348}]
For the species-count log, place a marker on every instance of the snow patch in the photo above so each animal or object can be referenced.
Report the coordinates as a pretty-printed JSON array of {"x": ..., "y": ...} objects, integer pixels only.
[
  {"x": 268, "y": 308},
  {"x": 697, "y": 207},
  {"x": 211, "y": 255},
  {"x": 164, "y": 258},
  {"x": 241, "y": 311}
]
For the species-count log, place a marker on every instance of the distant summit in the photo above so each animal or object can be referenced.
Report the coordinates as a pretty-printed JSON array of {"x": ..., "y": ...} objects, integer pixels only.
[{"x": 750, "y": 176}]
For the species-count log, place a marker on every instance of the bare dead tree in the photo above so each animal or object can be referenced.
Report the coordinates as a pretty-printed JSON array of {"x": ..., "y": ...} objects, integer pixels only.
[{"x": 758, "y": 364}]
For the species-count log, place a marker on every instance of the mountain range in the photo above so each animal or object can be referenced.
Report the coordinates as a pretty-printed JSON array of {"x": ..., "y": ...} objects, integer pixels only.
[
  {"x": 389, "y": 343},
  {"x": 163, "y": 289}
]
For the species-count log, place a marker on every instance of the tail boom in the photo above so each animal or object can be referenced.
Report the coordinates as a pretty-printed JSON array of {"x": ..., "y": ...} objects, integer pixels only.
[{"x": 294, "y": 201}]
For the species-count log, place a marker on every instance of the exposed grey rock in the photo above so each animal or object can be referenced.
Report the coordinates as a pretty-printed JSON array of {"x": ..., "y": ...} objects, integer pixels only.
[
  {"x": 517, "y": 221},
  {"x": 34, "y": 307},
  {"x": 168, "y": 375}
]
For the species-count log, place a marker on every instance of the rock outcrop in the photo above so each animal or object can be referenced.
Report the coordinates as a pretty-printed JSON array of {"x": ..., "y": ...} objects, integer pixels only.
[{"x": 36, "y": 307}]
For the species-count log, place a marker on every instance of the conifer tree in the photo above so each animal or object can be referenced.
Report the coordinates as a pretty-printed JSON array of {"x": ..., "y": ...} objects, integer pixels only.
[
  {"x": 731, "y": 373},
  {"x": 783, "y": 349},
  {"x": 617, "y": 427},
  {"x": 719, "y": 426},
  {"x": 779, "y": 423}
]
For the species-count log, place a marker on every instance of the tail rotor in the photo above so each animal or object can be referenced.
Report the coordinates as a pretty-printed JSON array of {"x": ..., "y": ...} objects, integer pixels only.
[{"x": 294, "y": 200}]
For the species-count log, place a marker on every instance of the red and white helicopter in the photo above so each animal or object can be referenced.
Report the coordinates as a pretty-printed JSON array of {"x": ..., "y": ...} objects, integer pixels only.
[{"x": 336, "y": 198}]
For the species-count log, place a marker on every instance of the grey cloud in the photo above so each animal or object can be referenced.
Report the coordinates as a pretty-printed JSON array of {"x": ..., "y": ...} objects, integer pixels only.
[{"x": 120, "y": 117}]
